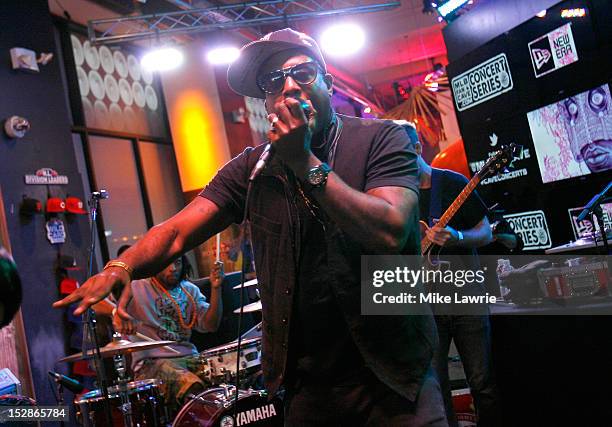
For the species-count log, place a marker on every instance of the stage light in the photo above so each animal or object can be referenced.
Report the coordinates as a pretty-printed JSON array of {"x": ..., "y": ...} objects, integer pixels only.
[
  {"x": 541, "y": 14},
  {"x": 450, "y": 7},
  {"x": 223, "y": 55},
  {"x": 367, "y": 110},
  {"x": 342, "y": 40},
  {"x": 578, "y": 12},
  {"x": 162, "y": 59}
]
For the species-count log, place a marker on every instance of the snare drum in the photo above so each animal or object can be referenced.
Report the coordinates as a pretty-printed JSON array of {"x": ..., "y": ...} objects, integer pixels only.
[
  {"x": 215, "y": 408},
  {"x": 218, "y": 364},
  {"x": 147, "y": 405}
]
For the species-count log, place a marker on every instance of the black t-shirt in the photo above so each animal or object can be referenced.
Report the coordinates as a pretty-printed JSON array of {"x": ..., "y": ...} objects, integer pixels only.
[{"x": 321, "y": 348}]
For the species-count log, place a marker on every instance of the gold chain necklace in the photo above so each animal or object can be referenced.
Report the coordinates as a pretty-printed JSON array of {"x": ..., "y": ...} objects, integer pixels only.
[{"x": 176, "y": 305}]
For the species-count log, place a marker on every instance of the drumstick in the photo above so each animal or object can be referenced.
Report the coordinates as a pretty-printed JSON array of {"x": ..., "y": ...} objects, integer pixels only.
[
  {"x": 146, "y": 338},
  {"x": 218, "y": 247}
]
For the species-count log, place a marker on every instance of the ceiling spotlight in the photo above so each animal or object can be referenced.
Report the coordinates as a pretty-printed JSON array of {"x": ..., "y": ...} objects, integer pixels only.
[
  {"x": 451, "y": 6},
  {"x": 223, "y": 55},
  {"x": 162, "y": 59},
  {"x": 541, "y": 14},
  {"x": 342, "y": 40}
]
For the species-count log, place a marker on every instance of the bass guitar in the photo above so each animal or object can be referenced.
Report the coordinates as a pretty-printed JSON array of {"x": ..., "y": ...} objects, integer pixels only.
[{"x": 496, "y": 163}]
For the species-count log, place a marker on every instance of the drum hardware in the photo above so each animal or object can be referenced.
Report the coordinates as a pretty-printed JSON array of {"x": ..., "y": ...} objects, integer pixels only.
[
  {"x": 229, "y": 391},
  {"x": 120, "y": 368},
  {"x": 149, "y": 339},
  {"x": 217, "y": 365},
  {"x": 119, "y": 346},
  {"x": 89, "y": 318},
  {"x": 252, "y": 282},
  {"x": 129, "y": 403},
  {"x": 143, "y": 399},
  {"x": 250, "y": 308}
]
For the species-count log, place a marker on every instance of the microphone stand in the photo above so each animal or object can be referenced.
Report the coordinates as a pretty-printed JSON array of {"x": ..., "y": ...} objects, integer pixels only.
[
  {"x": 60, "y": 396},
  {"x": 597, "y": 214},
  {"x": 594, "y": 209},
  {"x": 90, "y": 315}
]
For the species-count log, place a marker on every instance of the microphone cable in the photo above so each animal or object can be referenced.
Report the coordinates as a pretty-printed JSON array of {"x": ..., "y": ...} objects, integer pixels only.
[{"x": 241, "y": 301}]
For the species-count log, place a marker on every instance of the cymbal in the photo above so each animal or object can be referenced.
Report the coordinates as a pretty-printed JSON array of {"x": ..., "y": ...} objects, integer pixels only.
[
  {"x": 249, "y": 308},
  {"x": 247, "y": 283},
  {"x": 117, "y": 347}
]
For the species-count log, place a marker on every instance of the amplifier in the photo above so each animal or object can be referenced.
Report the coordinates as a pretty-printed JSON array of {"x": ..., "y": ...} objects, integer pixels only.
[{"x": 580, "y": 280}]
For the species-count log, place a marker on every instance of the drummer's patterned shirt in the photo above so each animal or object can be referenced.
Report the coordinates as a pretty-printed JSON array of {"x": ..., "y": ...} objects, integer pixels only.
[{"x": 159, "y": 318}]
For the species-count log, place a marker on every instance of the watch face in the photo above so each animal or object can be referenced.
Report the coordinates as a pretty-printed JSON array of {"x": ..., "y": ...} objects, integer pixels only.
[{"x": 316, "y": 177}]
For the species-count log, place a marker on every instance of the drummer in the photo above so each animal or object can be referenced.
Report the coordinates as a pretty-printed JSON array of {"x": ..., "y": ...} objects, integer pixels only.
[{"x": 168, "y": 307}]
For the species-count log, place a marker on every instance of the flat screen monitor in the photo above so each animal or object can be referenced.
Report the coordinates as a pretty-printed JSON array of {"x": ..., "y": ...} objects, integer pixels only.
[{"x": 573, "y": 137}]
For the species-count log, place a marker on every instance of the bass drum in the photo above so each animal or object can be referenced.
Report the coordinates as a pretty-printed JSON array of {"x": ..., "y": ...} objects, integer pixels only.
[{"x": 215, "y": 408}]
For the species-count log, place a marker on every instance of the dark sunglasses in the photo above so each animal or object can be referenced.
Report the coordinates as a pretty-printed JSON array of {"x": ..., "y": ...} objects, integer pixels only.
[{"x": 273, "y": 82}]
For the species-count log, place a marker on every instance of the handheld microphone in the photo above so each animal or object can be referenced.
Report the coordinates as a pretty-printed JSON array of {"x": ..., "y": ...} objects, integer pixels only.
[
  {"x": 268, "y": 151},
  {"x": 71, "y": 384}
]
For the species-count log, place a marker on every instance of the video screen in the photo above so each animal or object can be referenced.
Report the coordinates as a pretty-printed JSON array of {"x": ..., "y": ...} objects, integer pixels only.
[{"x": 573, "y": 137}]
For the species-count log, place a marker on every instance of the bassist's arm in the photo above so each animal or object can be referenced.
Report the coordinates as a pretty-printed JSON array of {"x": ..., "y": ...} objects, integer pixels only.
[{"x": 475, "y": 237}]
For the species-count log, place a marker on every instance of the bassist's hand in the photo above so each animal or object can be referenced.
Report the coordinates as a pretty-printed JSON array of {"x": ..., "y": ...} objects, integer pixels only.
[{"x": 442, "y": 236}]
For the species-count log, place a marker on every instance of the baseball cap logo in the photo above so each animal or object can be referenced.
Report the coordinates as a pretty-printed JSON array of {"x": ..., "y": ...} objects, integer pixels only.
[{"x": 541, "y": 57}]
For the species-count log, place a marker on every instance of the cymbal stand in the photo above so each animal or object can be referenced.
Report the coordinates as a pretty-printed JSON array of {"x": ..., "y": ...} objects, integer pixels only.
[
  {"x": 90, "y": 315},
  {"x": 120, "y": 363}
]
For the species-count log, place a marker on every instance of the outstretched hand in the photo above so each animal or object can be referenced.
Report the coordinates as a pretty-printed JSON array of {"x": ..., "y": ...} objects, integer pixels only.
[{"x": 95, "y": 289}]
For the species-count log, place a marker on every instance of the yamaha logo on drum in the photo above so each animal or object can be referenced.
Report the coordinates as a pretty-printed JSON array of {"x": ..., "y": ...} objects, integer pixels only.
[{"x": 250, "y": 416}]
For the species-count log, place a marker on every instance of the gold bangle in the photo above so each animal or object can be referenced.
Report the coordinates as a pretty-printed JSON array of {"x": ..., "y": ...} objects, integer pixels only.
[{"x": 120, "y": 264}]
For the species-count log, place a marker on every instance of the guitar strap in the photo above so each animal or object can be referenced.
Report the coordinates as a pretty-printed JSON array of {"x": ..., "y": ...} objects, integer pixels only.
[{"x": 435, "y": 196}]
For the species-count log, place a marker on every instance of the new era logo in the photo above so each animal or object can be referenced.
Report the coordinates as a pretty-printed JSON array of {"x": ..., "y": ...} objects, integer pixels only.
[
  {"x": 541, "y": 57},
  {"x": 553, "y": 51}
]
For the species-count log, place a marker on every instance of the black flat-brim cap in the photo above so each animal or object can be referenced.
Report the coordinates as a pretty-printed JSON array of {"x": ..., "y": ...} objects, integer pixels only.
[{"x": 242, "y": 73}]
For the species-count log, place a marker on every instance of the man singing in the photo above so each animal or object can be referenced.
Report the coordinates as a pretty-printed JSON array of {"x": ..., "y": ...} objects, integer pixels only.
[{"x": 337, "y": 187}]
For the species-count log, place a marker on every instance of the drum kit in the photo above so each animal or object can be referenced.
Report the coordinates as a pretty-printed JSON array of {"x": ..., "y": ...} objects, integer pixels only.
[{"x": 141, "y": 403}]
